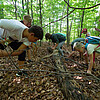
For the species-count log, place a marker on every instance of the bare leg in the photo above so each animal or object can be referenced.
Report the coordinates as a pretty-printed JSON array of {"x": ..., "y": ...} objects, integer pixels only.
[{"x": 21, "y": 64}]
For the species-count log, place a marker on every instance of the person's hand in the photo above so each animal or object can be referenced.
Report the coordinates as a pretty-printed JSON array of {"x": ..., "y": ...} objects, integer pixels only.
[
  {"x": 53, "y": 48},
  {"x": 66, "y": 59},
  {"x": 85, "y": 54},
  {"x": 88, "y": 71},
  {"x": 29, "y": 60},
  {"x": 96, "y": 29}
]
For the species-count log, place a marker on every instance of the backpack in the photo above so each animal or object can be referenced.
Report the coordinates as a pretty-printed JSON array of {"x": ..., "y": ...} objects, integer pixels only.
[{"x": 92, "y": 40}]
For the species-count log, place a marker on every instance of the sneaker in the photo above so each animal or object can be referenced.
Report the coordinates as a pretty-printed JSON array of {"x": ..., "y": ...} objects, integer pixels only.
[
  {"x": 88, "y": 71},
  {"x": 29, "y": 61},
  {"x": 19, "y": 74},
  {"x": 25, "y": 73},
  {"x": 66, "y": 59},
  {"x": 86, "y": 65},
  {"x": 22, "y": 73},
  {"x": 94, "y": 69}
]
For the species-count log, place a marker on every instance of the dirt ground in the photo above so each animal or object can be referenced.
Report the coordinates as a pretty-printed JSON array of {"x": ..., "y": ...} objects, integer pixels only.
[{"x": 41, "y": 82}]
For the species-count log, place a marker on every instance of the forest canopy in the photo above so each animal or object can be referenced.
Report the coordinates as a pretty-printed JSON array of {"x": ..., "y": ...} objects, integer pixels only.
[{"x": 65, "y": 16}]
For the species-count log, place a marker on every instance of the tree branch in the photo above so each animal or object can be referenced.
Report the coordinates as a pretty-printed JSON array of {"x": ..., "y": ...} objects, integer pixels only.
[
  {"x": 59, "y": 19},
  {"x": 81, "y": 8}
]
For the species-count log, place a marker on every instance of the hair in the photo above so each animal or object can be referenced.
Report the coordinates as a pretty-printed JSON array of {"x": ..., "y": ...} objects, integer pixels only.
[
  {"x": 47, "y": 36},
  {"x": 27, "y": 18},
  {"x": 77, "y": 45},
  {"x": 37, "y": 30}
]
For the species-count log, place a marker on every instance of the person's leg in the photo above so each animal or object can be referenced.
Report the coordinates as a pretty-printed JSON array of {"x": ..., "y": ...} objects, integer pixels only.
[
  {"x": 60, "y": 46},
  {"x": 21, "y": 64},
  {"x": 29, "y": 54},
  {"x": 35, "y": 50},
  {"x": 86, "y": 60},
  {"x": 2, "y": 47},
  {"x": 71, "y": 54},
  {"x": 21, "y": 57},
  {"x": 94, "y": 64}
]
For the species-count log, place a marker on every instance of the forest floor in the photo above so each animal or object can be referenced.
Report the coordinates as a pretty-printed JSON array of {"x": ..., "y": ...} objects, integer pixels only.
[{"x": 41, "y": 82}]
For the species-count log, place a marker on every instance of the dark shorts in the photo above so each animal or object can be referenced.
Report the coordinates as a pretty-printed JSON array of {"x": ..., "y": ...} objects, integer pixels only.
[{"x": 15, "y": 46}]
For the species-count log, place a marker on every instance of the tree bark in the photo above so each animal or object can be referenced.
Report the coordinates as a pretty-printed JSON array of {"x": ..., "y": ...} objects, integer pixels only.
[
  {"x": 15, "y": 10},
  {"x": 68, "y": 34},
  {"x": 32, "y": 12}
]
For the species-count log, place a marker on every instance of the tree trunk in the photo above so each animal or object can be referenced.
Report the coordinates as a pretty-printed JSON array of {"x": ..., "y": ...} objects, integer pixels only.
[
  {"x": 28, "y": 7},
  {"x": 40, "y": 16},
  {"x": 1, "y": 11},
  {"x": 68, "y": 34},
  {"x": 15, "y": 10},
  {"x": 49, "y": 26},
  {"x": 32, "y": 12},
  {"x": 82, "y": 22},
  {"x": 40, "y": 13},
  {"x": 23, "y": 4},
  {"x": 61, "y": 20},
  {"x": 71, "y": 25}
]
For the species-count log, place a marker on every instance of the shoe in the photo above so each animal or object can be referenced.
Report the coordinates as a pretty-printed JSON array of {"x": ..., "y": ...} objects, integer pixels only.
[
  {"x": 25, "y": 73},
  {"x": 19, "y": 74},
  {"x": 61, "y": 52},
  {"x": 66, "y": 59},
  {"x": 22, "y": 73},
  {"x": 94, "y": 69},
  {"x": 29, "y": 60},
  {"x": 88, "y": 71},
  {"x": 86, "y": 65}
]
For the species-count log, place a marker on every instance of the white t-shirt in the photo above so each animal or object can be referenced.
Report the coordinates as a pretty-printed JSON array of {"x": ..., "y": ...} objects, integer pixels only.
[
  {"x": 91, "y": 47},
  {"x": 14, "y": 29}
]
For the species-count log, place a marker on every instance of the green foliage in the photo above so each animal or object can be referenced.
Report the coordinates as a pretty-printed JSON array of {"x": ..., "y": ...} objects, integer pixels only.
[{"x": 53, "y": 10}]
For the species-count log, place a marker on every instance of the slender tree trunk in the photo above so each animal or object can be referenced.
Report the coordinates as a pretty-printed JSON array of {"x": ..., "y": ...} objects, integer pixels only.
[
  {"x": 82, "y": 18},
  {"x": 61, "y": 20},
  {"x": 82, "y": 22},
  {"x": 49, "y": 26},
  {"x": 1, "y": 11},
  {"x": 37, "y": 11},
  {"x": 40, "y": 16},
  {"x": 68, "y": 35},
  {"x": 71, "y": 25},
  {"x": 15, "y": 9},
  {"x": 23, "y": 4},
  {"x": 32, "y": 11},
  {"x": 40, "y": 13},
  {"x": 28, "y": 7}
]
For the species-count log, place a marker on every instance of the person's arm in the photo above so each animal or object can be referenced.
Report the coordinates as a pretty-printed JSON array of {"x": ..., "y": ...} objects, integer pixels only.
[
  {"x": 71, "y": 54},
  {"x": 34, "y": 49},
  {"x": 8, "y": 24},
  {"x": 15, "y": 53},
  {"x": 97, "y": 29},
  {"x": 29, "y": 54},
  {"x": 86, "y": 60},
  {"x": 55, "y": 46},
  {"x": 91, "y": 63},
  {"x": 56, "y": 41}
]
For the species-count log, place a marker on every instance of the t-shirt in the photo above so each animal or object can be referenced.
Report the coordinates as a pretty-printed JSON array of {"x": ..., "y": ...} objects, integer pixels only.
[
  {"x": 76, "y": 40},
  {"x": 57, "y": 38},
  {"x": 14, "y": 29},
  {"x": 62, "y": 34},
  {"x": 91, "y": 47}
]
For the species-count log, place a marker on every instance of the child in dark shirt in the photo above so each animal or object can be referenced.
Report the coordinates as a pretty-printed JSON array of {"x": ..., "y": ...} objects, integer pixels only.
[{"x": 58, "y": 39}]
